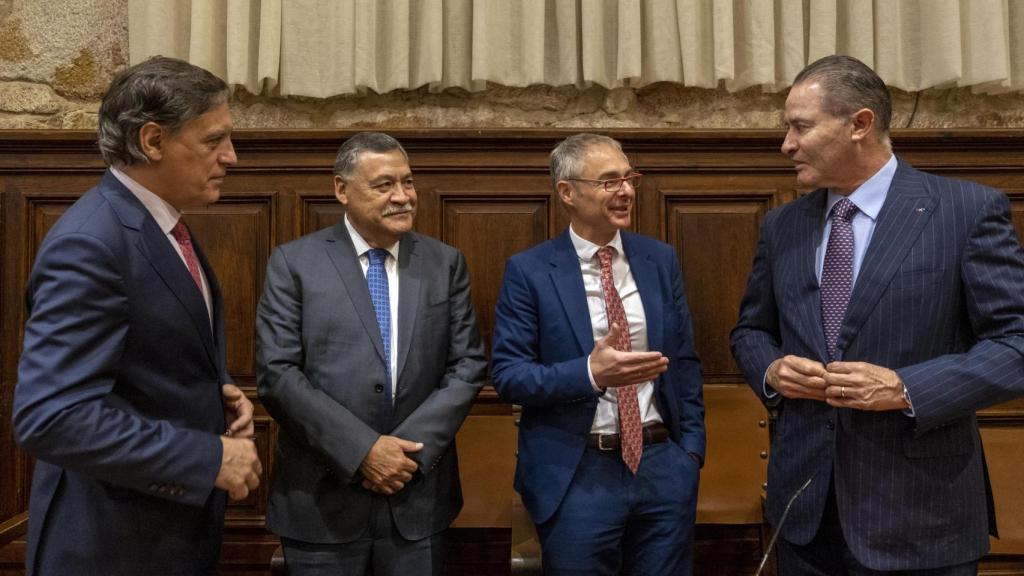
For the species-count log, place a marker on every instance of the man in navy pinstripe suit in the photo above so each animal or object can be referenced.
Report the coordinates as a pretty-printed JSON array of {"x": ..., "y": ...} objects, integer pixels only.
[{"x": 876, "y": 333}]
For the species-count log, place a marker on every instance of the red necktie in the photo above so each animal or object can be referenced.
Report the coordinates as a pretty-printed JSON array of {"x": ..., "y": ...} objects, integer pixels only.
[
  {"x": 180, "y": 233},
  {"x": 630, "y": 428}
]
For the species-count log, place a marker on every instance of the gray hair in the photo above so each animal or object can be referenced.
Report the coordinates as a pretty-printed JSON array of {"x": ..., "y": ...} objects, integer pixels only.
[
  {"x": 567, "y": 158},
  {"x": 849, "y": 85},
  {"x": 167, "y": 91},
  {"x": 348, "y": 153}
]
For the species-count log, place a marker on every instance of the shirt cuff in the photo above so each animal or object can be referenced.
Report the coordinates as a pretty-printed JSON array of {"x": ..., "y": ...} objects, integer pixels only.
[
  {"x": 909, "y": 411},
  {"x": 769, "y": 392},
  {"x": 593, "y": 383}
]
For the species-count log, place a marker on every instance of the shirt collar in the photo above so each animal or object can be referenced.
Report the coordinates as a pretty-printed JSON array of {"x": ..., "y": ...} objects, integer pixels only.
[
  {"x": 166, "y": 216},
  {"x": 585, "y": 249},
  {"x": 362, "y": 246},
  {"x": 869, "y": 196}
]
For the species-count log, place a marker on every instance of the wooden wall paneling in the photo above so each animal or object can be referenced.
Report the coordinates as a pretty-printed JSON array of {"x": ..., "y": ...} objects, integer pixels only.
[
  {"x": 488, "y": 230},
  {"x": 736, "y": 463},
  {"x": 485, "y": 443},
  {"x": 488, "y": 193},
  {"x": 715, "y": 235},
  {"x": 317, "y": 210},
  {"x": 235, "y": 234}
]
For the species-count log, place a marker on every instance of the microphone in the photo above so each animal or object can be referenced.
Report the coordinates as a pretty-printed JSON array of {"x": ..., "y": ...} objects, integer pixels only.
[{"x": 778, "y": 529}]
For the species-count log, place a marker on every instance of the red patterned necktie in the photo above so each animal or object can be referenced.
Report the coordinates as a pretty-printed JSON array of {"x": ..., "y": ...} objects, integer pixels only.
[
  {"x": 180, "y": 233},
  {"x": 630, "y": 429}
]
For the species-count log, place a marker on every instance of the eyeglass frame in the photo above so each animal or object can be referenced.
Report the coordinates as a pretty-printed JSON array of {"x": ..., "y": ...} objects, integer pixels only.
[{"x": 604, "y": 183}]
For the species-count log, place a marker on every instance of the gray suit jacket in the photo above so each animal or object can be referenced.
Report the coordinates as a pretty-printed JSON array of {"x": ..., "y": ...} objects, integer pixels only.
[{"x": 321, "y": 376}]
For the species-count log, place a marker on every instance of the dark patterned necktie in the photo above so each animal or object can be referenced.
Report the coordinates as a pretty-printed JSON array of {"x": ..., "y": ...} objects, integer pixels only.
[
  {"x": 377, "y": 280},
  {"x": 630, "y": 428},
  {"x": 837, "y": 273}
]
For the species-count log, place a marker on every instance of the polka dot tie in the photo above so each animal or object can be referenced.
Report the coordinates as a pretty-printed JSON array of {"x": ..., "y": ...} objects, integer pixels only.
[
  {"x": 837, "y": 273},
  {"x": 377, "y": 280},
  {"x": 630, "y": 428},
  {"x": 184, "y": 240}
]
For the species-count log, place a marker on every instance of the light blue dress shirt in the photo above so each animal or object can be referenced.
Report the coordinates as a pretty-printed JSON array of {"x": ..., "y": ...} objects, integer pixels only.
[{"x": 868, "y": 198}]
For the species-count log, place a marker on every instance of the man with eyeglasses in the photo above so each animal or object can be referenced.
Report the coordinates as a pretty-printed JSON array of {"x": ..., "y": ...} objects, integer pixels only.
[{"x": 593, "y": 339}]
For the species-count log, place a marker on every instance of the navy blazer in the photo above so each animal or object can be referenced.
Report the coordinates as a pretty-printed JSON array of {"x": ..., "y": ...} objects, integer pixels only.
[
  {"x": 940, "y": 300},
  {"x": 119, "y": 397},
  {"x": 542, "y": 339}
]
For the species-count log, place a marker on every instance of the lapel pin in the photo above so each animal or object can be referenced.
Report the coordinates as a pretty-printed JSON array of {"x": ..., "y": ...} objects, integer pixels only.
[{"x": 920, "y": 209}]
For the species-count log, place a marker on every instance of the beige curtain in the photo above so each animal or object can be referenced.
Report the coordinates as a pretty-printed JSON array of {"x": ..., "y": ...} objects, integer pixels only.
[{"x": 323, "y": 48}]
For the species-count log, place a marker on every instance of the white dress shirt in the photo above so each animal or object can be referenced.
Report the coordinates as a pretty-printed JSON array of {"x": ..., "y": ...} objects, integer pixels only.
[
  {"x": 391, "y": 268},
  {"x": 606, "y": 419},
  {"x": 166, "y": 217}
]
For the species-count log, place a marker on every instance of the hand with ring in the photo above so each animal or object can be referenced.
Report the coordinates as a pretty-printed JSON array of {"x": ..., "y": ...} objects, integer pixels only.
[{"x": 863, "y": 386}]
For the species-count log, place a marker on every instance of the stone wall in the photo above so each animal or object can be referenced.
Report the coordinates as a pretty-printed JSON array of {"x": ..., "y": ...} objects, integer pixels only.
[{"x": 57, "y": 57}]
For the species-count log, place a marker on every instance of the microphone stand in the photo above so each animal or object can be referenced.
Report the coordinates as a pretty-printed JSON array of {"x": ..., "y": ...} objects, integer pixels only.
[{"x": 775, "y": 534}]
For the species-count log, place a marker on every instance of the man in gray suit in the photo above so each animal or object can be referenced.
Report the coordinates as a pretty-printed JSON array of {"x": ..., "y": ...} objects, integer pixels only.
[
  {"x": 882, "y": 311},
  {"x": 369, "y": 358}
]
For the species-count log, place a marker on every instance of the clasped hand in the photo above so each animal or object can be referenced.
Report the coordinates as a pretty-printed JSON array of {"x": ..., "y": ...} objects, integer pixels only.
[
  {"x": 857, "y": 385},
  {"x": 387, "y": 469}
]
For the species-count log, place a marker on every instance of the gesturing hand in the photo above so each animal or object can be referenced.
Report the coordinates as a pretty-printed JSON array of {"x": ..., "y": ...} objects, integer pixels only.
[
  {"x": 386, "y": 469},
  {"x": 613, "y": 368}
]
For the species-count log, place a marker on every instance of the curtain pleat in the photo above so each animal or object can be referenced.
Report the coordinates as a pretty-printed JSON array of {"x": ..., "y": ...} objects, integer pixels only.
[{"x": 324, "y": 48}]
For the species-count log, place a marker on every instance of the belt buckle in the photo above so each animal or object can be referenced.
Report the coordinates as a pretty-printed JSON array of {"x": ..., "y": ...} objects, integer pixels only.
[{"x": 600, "y": 443}]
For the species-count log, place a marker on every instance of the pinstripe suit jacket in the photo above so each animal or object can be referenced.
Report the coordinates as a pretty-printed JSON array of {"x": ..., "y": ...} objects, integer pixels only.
[{"x": 940, "y": 300}]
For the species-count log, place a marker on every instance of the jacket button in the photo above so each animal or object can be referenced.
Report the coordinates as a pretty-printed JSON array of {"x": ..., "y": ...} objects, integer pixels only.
[
  {"x": 378, "y": 388},
  {"x": 830, "y": 424}
]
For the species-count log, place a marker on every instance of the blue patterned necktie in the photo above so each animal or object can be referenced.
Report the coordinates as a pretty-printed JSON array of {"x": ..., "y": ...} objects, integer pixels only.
[
  {"x": 837, "y": 273},
  {"x": 377, "y": 280}
]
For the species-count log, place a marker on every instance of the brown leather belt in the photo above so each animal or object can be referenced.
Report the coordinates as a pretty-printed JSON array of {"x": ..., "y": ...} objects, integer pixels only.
[{"x": 653, "y": 434}]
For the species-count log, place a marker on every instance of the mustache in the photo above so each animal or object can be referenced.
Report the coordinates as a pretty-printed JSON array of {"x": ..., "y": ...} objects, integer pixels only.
[{"x": 391, "y": 211}]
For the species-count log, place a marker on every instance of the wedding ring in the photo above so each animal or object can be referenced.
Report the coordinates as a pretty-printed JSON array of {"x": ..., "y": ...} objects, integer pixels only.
[{"x": 842, "y": 391}]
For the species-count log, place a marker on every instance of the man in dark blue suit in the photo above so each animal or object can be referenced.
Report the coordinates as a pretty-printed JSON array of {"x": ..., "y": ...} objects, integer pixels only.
[
  {"x": 123, "y": 394},
  {"x": 882, "y": 311},
  {"x": 593, "y": 338}
]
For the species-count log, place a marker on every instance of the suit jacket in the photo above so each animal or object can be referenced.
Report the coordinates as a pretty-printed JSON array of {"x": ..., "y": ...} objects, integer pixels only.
[
  {"x": 119, "y": 397},
  {"x": 542, "y": 339},
  {"x": 321, "y": 375},
  {"x": 940, "y": 300}
]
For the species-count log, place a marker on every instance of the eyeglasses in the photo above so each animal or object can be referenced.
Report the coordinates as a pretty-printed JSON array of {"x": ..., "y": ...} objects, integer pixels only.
[{"x": 613, "y": 185}]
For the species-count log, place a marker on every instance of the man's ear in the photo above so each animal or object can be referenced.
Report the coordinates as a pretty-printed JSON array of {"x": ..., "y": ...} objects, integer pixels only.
[
  {"x": 152, "y": 139},
  {"x": 340, "y": 191},
  {"x": 564, "y": 189},
  {"x": 863, "y": 124}
]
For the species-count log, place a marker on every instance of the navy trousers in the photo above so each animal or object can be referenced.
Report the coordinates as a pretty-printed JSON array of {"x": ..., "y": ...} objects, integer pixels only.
[{"x": 611, "y": 522}]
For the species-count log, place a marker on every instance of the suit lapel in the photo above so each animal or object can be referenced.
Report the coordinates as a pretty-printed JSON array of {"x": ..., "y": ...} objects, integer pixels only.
[
  {"x": 568, "y": 282},
  {"x": 151, "y": 241},
  {"x": 342, "y": 254},
  {"x": 165, "y": 260},
  {"x": 907, "y": 208},
  {"x": 410, "y": 274},
  {"x": 645, "y": 274},
  {"x": 806, "y": 234},
  {"x": 216, "y": 307}
]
